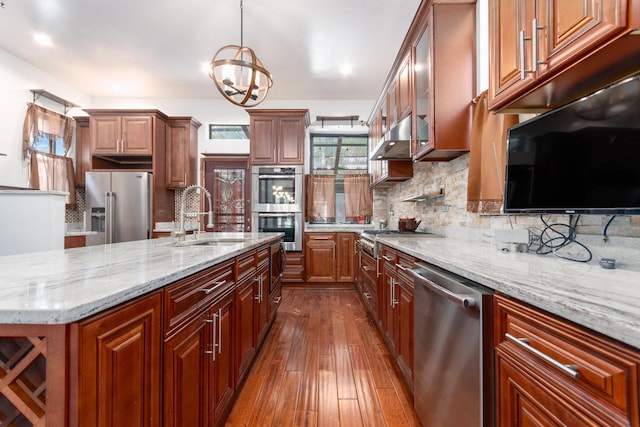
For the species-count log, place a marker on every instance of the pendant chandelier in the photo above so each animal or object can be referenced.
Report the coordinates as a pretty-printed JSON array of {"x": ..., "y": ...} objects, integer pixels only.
[{"x": 238, "y": 73}]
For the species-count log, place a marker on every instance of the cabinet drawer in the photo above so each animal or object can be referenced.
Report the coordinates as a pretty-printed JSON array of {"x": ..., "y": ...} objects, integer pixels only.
[
  {"x": 246, "y": 265},
  {"x": 195, "y": 292},
  {"x": 321, "y": 236},
  {"x": 580, "y": 360},
  {"x": 263, "y": 256},
  {"x": 389, "y": 255},
  {"x": 369, "y": 268}
]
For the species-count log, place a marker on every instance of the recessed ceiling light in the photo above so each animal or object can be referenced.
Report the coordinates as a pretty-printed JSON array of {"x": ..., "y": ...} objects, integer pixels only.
[
  {"x": 43, "y": 39},
  {"x": 346, "y": 69}
]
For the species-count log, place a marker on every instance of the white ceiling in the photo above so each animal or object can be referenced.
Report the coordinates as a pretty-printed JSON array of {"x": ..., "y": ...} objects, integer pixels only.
[{"x": 156, "y": 48}]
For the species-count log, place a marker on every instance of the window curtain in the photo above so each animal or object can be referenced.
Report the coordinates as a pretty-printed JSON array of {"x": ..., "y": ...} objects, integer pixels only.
[
  {"x": 52, "y": 172},
  {"x": 49, "y": 171},
  {"x": 39, "y": 119},
  {"x": 321, "y": 198},
  {"x": 487, "y": 159},
  {"x": 358, "y": 199}
]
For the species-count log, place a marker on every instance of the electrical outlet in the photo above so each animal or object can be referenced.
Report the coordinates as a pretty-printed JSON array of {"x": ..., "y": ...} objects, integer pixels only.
[{"x": 512, "y": 236}]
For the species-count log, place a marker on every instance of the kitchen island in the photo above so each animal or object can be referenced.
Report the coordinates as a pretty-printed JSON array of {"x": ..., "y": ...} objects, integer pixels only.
[{"x": 104, "y": 332}]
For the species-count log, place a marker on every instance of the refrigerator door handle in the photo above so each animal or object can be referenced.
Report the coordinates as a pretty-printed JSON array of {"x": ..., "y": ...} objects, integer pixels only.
[{"x": 110, "y": 220}]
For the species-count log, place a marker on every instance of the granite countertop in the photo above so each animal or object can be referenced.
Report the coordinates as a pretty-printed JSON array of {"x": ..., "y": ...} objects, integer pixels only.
[
  {"x": 606, "y": 301},
  {"x": 64, "y": 286}
]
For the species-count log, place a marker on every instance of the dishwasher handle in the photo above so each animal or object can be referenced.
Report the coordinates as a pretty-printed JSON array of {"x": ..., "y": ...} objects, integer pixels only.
[{"x": 463, "y": 300}]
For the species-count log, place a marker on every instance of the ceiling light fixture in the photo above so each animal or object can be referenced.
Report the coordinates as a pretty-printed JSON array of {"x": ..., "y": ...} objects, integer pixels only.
[{"x": 238, "y": 73}]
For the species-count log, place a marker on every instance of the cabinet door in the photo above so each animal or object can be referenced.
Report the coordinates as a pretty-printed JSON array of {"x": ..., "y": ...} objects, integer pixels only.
[
  {"x": 137, "y": 135},
  {"x": 345, "y": 262},
  {"x": 320, "y": 254},
  {"x": 522, "y": 401},
  {"x": 263, "y": 140},
  {"x": 105, "y": 133},
  {"x": 404, "y": 332},
  {"x": 181, "y": 148},
  {"x": 574, "y": 27},
  {"x": 261, "y": 298},
  {"x": 245, "y": 338},
  {"x": 185, "y": 368},
  {"x": 119, "y": 360},
  {"x": 388, "y": 306},
  {"x": 83, "y": 149},
  {"x": 510, "y": 47},
  {"x": 291, "y": 141},
  {"x": 221, "y": 357},
  {"x": 404, "y": 92}
]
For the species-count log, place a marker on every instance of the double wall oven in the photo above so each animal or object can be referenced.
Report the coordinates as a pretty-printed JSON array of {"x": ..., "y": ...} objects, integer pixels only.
[{"x": 277, "y": 202}]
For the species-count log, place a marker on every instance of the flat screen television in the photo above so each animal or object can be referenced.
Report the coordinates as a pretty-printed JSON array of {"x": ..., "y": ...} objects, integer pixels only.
[{"x": 582, "y": 158}]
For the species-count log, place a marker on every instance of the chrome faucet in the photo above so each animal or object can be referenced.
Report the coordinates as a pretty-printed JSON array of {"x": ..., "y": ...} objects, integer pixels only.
[{"x": 180, "y": 234}]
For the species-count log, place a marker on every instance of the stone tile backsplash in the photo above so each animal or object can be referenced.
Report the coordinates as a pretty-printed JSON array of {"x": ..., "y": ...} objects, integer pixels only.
[{"x": 448, "y": 215}]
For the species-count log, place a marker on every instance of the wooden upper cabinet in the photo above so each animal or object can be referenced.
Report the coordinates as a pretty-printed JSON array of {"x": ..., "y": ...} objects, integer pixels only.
[
  {"x": 443, "y": 81},
  {"x": 117, "y": 135},
  {"x": 277, "y": 136},
  {"x": 182, "y": 151},
  {"x": 571, "y": 46},
  {"x": 83, "y": 149},
  {"x": 123, "y": 132}
]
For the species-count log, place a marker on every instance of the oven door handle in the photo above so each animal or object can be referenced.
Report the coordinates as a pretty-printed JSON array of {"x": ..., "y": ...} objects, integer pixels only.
[
  {"x": 276, "y": 176},
  {"x": 271, "y": 215}
]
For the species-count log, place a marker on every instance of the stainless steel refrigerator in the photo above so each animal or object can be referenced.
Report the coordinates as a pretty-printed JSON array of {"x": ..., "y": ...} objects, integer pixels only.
[{"x": 118, "y": 206}]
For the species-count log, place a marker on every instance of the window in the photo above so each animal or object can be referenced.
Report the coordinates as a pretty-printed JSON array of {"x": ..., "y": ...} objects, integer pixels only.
[
  {"x": 229, "y": 132},
  {"x": 48, "y": 143},
  {"x": 339, "y": 156}
]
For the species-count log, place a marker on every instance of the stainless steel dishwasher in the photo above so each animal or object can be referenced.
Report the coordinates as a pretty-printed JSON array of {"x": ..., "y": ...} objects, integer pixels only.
[{"x": 453, "y": 363}]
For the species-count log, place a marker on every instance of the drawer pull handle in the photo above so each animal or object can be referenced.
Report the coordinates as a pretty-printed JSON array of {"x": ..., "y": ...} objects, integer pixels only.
[
  {"x": 387, "y": 258},
  {"x": 277, "y": 300},
  {"x": 367, "y": 295},
  {"x": 366, "y": 268},
  {"x": 401, "y": 267},
  {"x": 571, "y": 370},
  {"x": 215, "y": 285}
]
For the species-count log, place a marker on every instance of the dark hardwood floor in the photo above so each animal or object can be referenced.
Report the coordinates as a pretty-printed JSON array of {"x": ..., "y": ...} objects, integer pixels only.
[{"x": 323, "y": 363}]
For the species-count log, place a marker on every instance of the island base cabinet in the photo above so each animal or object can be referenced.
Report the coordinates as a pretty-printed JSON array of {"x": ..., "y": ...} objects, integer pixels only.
[
  {"x": 115, "y": 360},
  {"x": 33, "y": 375}
]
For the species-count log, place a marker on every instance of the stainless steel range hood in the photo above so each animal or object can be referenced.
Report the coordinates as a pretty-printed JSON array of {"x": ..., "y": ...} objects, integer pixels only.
[{"x": 396, "y": 144}]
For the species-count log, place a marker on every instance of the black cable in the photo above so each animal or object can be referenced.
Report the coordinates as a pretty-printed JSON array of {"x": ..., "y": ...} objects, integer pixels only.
[
  {"x": 552, "y": 239},
  {"x": 604, "y": 232}
]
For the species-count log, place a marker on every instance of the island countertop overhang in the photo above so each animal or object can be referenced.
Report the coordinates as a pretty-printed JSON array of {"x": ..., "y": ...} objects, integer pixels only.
[{"x": 65, "y": 286}]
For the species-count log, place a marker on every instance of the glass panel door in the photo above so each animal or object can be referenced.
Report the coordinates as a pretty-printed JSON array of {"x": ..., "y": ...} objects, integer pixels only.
[{"x": 227, "y": 181}]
